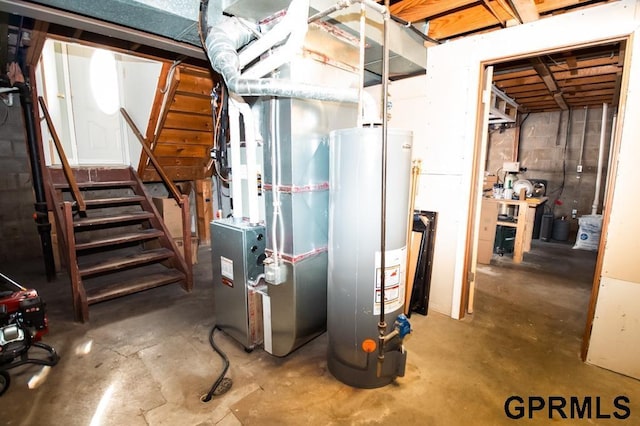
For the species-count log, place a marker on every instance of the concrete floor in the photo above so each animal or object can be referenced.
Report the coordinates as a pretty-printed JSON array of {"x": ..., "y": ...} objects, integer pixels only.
[{"x": 145, "y": 359}]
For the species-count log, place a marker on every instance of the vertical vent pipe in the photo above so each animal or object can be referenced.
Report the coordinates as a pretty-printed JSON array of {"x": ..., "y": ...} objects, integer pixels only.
[{"x": 603, "y": 128}]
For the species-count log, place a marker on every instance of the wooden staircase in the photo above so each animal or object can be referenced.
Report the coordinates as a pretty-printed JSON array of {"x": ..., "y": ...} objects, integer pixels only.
[{"x": 119, "y": 244}]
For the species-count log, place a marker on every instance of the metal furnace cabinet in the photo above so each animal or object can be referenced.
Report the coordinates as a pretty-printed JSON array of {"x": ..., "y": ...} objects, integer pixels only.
[{"x": 238, "y": 253}]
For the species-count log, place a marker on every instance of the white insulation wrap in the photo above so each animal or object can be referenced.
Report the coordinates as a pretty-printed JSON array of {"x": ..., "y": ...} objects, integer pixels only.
[{"x": 354, "y": 249}]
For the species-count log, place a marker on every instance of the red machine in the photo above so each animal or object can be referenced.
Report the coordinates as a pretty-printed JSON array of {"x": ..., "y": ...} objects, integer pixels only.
[{"x": 22, "y": 324}]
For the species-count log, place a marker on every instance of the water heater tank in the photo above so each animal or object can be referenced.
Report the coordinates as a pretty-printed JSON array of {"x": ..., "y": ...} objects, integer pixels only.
[{"x": 353, "y": 305}]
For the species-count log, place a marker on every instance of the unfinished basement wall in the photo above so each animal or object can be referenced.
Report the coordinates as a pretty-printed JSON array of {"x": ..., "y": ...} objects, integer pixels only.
[
  {"x": 551, "y": 153},
  {"x": 454, "y": 74},
  {"x": 20, "y": 238}
]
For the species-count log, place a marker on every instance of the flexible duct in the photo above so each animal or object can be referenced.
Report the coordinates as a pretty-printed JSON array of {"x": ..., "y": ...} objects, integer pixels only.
[{"x": 226, "y": 36}]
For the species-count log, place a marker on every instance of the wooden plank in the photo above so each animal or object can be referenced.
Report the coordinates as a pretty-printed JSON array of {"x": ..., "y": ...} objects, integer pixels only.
[
  {"x": 587, "y": 72},
  {"x": 114, "y": 201},
  {"x": 143, "y": 235},
  {"x": 546, "y": 6},
  {"x": 172, "y": 189},
  {"x": 191, "y": 104},
  {"x": 588, "y": 87},
  {"x": 514, "y": 74},
  {"x": 118, "y": 263},
  {"x": 584, "y": 63},
  {"x": 523, "y": 88},
  {"x": 179, "y": 120},
  {"x": 414, "y": 253},
  {"x": 186, "y": 136},
  {"x": 197, "y": 71},
  {"x": 154, "y": 116},
  {"x": 181, "y": 161},
  {"x": 534, "y": 79},
  {"x": 462, "y": 22},
  {"x": 586, "y": 80},
  {"x": 191, "y": 83},
  {"x": 187, "y": 284},
  {"x": 106, "y": 184},
  {"x": 38, "y": 37},
  {"x": 134, "y": 286},
  {"x": 590, "y": 93},
  {"x": 176, "y": 174},
  {"x": 526, "y": 10},
  {"x": 184, "y": 150},
  {"x": 520, "y": 97},
  {"x": 79, "y": 297},
  {"x": 204, "y": 209},
  {"x": 110, "y": 220},
  {"x": 73, "y": 185},
  {"x": 416, "y": 10}
]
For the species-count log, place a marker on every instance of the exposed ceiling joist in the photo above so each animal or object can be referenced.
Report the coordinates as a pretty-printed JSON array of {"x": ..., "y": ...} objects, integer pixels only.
[
  {"x": 547, "y": 77},
  {"x": 417, "y": 10},
  {"x": 525, "y": 9}
]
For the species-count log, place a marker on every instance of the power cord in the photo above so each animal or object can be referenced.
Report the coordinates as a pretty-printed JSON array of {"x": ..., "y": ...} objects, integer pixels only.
[{"x": 222, "y": 384}]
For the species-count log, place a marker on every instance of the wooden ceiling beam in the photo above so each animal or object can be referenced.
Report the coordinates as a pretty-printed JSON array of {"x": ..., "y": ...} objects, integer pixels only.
[
  {"x": 547, "y": 77},
  {"x": 618, "y": 83},
  {"x": 417, "y": 10},
  {"x": 525, "y": 10},
  {"x": 472, "y": 19},
  {"x": 38, "y": 38},
  {"x": 487, "y": 4}
]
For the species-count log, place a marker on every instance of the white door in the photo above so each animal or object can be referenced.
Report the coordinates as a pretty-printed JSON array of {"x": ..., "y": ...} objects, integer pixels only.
[{"x": 93, "y": 87}]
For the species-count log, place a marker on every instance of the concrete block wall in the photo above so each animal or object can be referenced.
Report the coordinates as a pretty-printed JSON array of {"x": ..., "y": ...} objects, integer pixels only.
[
  {"x": 20, "y": 238},
  {"x": 551, "y": 151}
]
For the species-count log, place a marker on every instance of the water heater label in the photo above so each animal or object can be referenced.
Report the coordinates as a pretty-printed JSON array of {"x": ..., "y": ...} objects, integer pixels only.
[
  {"x": 394, "y": 281},
  {"x": 226, "y": 267}
]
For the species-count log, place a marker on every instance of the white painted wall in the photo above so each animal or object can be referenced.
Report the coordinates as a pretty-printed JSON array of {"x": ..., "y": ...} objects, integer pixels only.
[
  {"x": 444, "y": 120},
  {"x": 137, "y": 91}
]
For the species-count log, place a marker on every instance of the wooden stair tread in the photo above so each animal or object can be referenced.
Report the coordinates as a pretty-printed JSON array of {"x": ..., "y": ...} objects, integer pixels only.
[
  {"x": 134, "y": 285},
  {"x": 105, "y": 184},
  {"x": 146, "y": 234},
  {"x": 100, "y": 202},
  {"x": 105, "y": 220},
  {"x": 123, "y": 262}
]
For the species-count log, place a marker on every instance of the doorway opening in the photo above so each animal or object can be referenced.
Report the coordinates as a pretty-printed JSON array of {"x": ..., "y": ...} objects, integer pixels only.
[
  {"x": 84, "y": 88},
  {"x": 560, "y": 149}
]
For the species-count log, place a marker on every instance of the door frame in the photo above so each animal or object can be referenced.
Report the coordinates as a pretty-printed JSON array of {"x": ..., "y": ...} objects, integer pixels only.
[{"x": 479, "y": 155}]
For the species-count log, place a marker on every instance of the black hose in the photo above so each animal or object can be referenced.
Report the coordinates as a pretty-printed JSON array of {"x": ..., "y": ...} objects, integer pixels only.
[{"x": 225, "y": 360}]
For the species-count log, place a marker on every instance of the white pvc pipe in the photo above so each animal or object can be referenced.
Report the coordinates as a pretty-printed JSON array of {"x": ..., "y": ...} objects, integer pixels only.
[
  {"x": 603, "y": 127},
  {"x": 250, "y": 150},
  {"x": 584, "y": 134},
  {"x": 236, "y": 167},
  {"x": 275, "y": 204}
]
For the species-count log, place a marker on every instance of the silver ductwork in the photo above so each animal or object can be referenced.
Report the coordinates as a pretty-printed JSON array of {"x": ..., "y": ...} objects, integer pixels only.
[{"x": 226, "y": 35}]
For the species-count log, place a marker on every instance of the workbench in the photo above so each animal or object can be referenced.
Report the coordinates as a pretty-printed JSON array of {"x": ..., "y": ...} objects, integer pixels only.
[{"x": 523, "y": 220}]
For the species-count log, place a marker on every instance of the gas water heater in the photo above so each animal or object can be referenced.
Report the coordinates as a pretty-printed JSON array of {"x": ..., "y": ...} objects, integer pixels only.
[{"x": 356, "y": 355}]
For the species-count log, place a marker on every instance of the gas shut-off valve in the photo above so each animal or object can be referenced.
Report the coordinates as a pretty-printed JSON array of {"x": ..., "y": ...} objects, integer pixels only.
[{"x": 403, "y": 325}]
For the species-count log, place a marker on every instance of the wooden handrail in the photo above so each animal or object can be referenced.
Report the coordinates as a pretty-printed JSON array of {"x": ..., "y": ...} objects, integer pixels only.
[
  {"x": 172, "y": 188},
  {"x": 66, "y": 168}
]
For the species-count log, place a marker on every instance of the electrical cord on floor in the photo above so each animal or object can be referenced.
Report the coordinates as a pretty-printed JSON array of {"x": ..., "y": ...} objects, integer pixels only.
[{"x": 222, "y": 384}]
